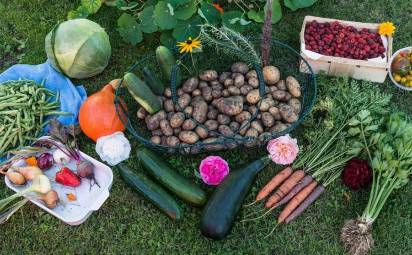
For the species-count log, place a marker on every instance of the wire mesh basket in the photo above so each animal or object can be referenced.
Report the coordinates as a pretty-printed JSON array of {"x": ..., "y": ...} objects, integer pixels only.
[{"x": 285, "y": 58}]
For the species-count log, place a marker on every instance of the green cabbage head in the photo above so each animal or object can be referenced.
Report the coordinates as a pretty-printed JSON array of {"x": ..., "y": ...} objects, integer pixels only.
[{"x": 79, "y": 48}]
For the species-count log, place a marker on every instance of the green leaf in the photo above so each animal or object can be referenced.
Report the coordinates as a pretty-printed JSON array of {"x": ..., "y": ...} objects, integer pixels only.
[
  {"x": 185, "y": 11},
  {"x": 163, "y": 16},
  {"x": 354, "y": 131},
  {"x": 92, "y": 6},
  {"x": 124, "y": 5},
  {"x": 148, "y": 23},
  {"x": 80, "y": 12},
  {"x": 353, "y": 122},
  {"x": 209, "y": 13},
  {"x": 235, "y": 20},
  {"x": 129, "y": 29},
  {"x": 372, "y": 128},
  {"x": 276, "y": 11},
  {"x": 167, "y": 39},
  {"x": 298, "y": 4},
  {"x": 178, "y": 3},
  {"x": 257, "y": 16},
  {"x": 186, "y": 28},
  {"x": 364, "y": 114}
]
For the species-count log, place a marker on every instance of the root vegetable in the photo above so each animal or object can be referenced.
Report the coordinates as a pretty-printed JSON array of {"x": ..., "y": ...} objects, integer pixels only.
[
  {"x": 254, "y": 82},
  {"x": 45, "y": 161},
  {"x": 239, "y": 80},
  {"x": 278, "y": 127},
  {"x": 15, "y": 177},
  {"x": 202, "y": 84},
  {"x": 201, "y": 132},
  {"x": 245, "y": 89},
  {"x": 301, "y": 185},
  {"x": 207, "y": 93},
  {"x": 211, "y": 125},
  {"x": 188, "y": 137},
  {"x": 288, "y": 96},
  {"x": 216, "y": 94},
  {"x": 252, "y": 133},
  {"x": 233, "y": 90},
  {"x": 264, "y": 137},
  {"x": 257, "y": 125},
  {"x": 188, "y": 125},
  {"x": 85, "y": 169},
  {"x": 50, "y": 199},
  {"x": 239, "y": 67},
  {"x": 167, "y": 93},
  {"x": 268, "y": 120},
  {"x": 200, "y": 111},
  {"x": 212, "y": 113},
  {"x": 251, "y": 74},
  {"x": 190, "y": 85},
  {"x": 243, "y": 116},
  {"x": 208, "y": 75},
  {"x": 275, "y": 112},
  {"x": 253, "y": 97},
  {"x": 168, "y": 105},
  {"x": 196, "y": 92},
  {"x": 177, "y": 119},
  {"x": 223, "y": 119},
  {"x": 305, "y": 204},
  {"x": 295, "y": 104},
  {"x": 180, "y": 92},
  {"x": 225, "y": 130},
  {"x": 172, "y": 141},
  {"x": 288, "y": 114},
  {"x": 184, "y": 100},
  {"x": 273, "y": 183},
  {"x": 252, "y": 109},
  {"x": 279, "y": 95},
  {"x": 29, "y": 172},
  {"x": 281, "y": 85},
  {"x": 223, "y": 76},
  {"x": 271, "y": 74},
  {"x": 157, "y": 132},
  {"x": 141, "y": 113},
  {"x": 234, "y": 126},
  {"x": 293, "y": 86},
  {"x": 167, "y": 130},
  {"x": 176, "y": 131},
  {"x": 230, "y": 106},
  {"x": 188, "y": 110},
  {"x": 285, "y": 188},
  {"x": 266, "y": 104},
  {"x": 244, "y": 128},
  {"x": 211, "y": 144},
  {"x": 154, "y": 121},
  {"x": 225, "y": 93},
  {"x": 156, "y": 139},
  {"x": 272, "y": 89}
]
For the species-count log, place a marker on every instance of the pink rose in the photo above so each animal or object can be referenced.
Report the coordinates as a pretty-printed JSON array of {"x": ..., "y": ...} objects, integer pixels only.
[
  {"x": 283, "y": 150},
  {"x": 213, "y": 170}
]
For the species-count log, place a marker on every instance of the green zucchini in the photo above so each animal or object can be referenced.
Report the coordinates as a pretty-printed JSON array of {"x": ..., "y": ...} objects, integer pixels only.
[
  {"x": 142, "y": 93},
  {"x": 170, "y": 178},
  {"x": 153, "y": 81},
  {"x": 152, "y": 191},
  {"x": 219, "y": 213},
  {"x": 166, "y": 61}
]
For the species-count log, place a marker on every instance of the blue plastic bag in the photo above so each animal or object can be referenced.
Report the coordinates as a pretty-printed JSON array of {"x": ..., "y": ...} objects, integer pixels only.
[{"x": 71, "y": 96}]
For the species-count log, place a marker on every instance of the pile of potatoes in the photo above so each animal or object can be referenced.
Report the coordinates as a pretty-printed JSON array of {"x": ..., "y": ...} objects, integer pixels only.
[{"x": 223, "y": 104}]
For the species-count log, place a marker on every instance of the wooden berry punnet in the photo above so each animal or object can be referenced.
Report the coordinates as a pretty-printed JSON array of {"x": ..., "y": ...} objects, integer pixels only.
[{"x": 375, "y": 71}]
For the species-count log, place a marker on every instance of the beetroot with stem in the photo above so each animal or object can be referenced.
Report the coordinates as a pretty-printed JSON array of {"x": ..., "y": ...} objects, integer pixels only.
[{"x": 85, "y": 169}]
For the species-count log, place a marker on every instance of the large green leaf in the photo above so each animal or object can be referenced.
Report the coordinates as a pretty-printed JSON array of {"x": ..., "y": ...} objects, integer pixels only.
[
  {"x": 259, "y": 16},
  {"x": 164, "y": 16},
  {"x": 80, "y": 12},
  {"x": 92, "y": 6},
  {"x": 178, "y": 3},
  {"x": 235, "y": 20},
  {"x": 209, "y": 13},
  {"x": 148, "y": 23},
  {"x": 166, "y": 38},
  {"x": 186, "y": 10},
  {"x": 298, "y": 4},
  {"x": 129, "y": 29},
  {"x": 124, "y": 5},
  {"x": 186, "y": 28}
]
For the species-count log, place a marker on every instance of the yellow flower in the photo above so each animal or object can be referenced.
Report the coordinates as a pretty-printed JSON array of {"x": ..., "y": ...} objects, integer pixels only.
[
  {"x": 189, "y": 45},
  {"x": 386, "y": 28}
]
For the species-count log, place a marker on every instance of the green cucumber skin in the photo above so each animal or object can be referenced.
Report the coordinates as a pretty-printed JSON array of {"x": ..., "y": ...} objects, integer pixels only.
[
  {"x": 166, "y": 60},
  {"x": 153, "y": 81},
  {"x": 170, "y": 179},
  {"x": 151, "y": 191},
  {"x": 220, "y": 211},
  {"x": 142, "y": 93}
]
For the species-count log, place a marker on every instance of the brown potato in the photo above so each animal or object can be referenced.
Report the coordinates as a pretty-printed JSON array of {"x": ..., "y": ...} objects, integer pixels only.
[
  {"x": 287, "y": 113},
  {"x": 203, "y": 84},
  {"x": 252, "y": 133},
  {"x": 169, "y": 115},
  {"x": 293, "y": 86},
  {"x": 265, "y": 136},
  {"x": 184, "y": 100},
  {"x": 216, "y": 85},
  {"x": 188, "y": 125},
  {"x": 208, "y": 75},
  {"x": 141, "y": 113},
  {"x": 207, "y": 93},
  {"x": 243, "y": 116},
  {"x": 228, "y": 82},
  {"x": 167, "y": 93},
  {"x": 271, "y": 74},
  {"x": 180, "y": 92},
  {"x": 216, "y": 94},
  {"x": 168, "y": 105},
  {"x": 268, "y": 120},
  {"x": 163, "y": 140},
  {"x": 288, "y": 96},
  {"x": 234, "y": 91},
  {"x": 188, "y": 110},
  {"x": 223, "y": 76},
  {"x": 266, "y": 104},
  {"x": 188, "y": 137},
  {"x": 225, "y": 93},
  {"x": 172, "y": 141},
  {"x": 256, "y": 124},
  {"x": 244, "y": 127},
  {"x": 176, "y": 131},
  {"x": 253, "y": 96},
  {"x": 279, "y": 95},
  {"x": 278, "y": 127},
  {"x": 157, "y": 132},
  {"x": 225, "y": 130},
  {"x": 239, "y": 80},
  {"x": 200, "y": 111},
  {"x": 212, "y": 113},
  {"x": 281, "y": 85},
  {"x": 230, "y": 105},
  {"x": 190, "y": 84},
  {"x": 167, "y": 130},
  {"x": 153, "y": 122},
  {"x": 251, "y": 74},
  {"x": 272, "y": 89},
  {"x": 211, "y": 144},
  {"x": 295, "y": 104},
  {"x": 201, "y": 132},
  {"x": 156, "y": 139},
  {"x": 196, "y": 92},
  {"x": 239, "y": 67},
  {"x": 211, "y": 125},
  {"x": 223, "y": 119},
  {"x": 245, "y": 89},
  {"x": 254, "y": 82},
  {"x": 177, "y": 119},
  {"x": 234, "y": 126},
  {"x": 252, "y": 109},
  {"x": 275, "y": 112}
]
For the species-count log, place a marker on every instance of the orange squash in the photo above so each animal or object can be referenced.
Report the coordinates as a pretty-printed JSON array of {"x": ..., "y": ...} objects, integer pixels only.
[{"x": 98, "y": 116}]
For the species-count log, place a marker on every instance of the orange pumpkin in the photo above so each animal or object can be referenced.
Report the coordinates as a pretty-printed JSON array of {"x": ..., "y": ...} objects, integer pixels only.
[{"x": 98, "y": 116}]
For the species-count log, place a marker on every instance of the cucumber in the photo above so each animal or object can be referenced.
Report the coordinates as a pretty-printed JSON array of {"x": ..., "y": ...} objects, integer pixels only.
[
  {"x": 171, "y": 180},
  {"x": 142, "y": 93},
  {"x": 220, "y": 211},
  {"x": 166, "y": 61},
  {"x": 152, "y": 191},
  {"x": 153, "y": 81}
]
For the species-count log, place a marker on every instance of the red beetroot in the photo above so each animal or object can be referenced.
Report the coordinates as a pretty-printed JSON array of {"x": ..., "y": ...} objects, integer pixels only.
[{"x": 357, "y": 174}]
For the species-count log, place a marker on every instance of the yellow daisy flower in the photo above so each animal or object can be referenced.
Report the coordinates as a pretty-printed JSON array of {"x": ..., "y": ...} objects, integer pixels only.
[
  {"x": 386, "y": 28},
  {"x": 189, "y": 45}
]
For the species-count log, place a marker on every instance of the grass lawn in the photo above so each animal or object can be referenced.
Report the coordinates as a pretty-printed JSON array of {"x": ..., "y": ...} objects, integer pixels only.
[{"x": 128, "y": 224}]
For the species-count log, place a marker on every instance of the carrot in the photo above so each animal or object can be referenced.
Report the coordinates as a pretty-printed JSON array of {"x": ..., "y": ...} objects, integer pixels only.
[
  {"x": 305, "y": 204},
  {"x": 302, "y": 184},
  {"x": 285, "y": 188},
  {"x": 273, "y": 183},
  {"x": 296, "y": 201}
]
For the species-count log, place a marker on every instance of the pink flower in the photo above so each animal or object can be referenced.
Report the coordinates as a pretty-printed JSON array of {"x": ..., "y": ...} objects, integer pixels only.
[
  {"x": 213, "y": 170},
  {"x": 283, "y": 150}
]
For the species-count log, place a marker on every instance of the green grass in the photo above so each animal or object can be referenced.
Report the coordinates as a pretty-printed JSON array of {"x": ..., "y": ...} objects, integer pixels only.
[{"x": 128, "y": 224}]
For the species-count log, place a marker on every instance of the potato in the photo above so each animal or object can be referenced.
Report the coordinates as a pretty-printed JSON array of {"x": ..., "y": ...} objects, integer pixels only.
[
  {"x": 275, "y": 112},
  {"x": 243, "y": 116},
  {"x": 141, "y": 113},
  {"x": 188, "y": 137},
  {"x": 211, "y": 144},
  {"x": 234, "y": 91},
  {"x": 202, "y": 84},
  {"x": 223, "y": 119},
  {"x": 196, "y": 92},
  {"x": 287, "y": 113},
  {"x": 256, "y": 124},
  {"x": 180, "y": 92},
  {"x": 156, "y": 139},
  {"x": 167, "y": 130},
  {"x": 168, "y": 105},
  {"x": 225, "y": 130},
  {"x": 153, "y": 122},
  {"x": 251, "y": 133},
  {"x": 167, "y": 93},
  {"x": 230, "y": 105},
  {"x": 234, "y": 126},
  {"x": 252, "y": 109},
  {"x": 161, "y": 99},
  {"x": 188, "y": 125},
  {"x": 188, "y": 110},
  {"x": 295, "y": 104},
  {"x": 244, "y": 128},
  {"x": 279, "y": 95},
  {"x": 293, "y": 86},
  {"x": 211, "y": 125},
  {"x": 271, "y": 74},
  {"x": 253, "y": 96},
  {"x": 200, "y": 111},
  {"x": 157, "y": 132},
  {"x": 228, "y": 82},
  {"x": 216, "y": 85},
  {"x": 268, "y": 120},
  {"x": 177, "y": 119},
  {"x": 281, "y": 85},
  {"x": 251, "y": 74},
  {"x": 239, "y": 80},
  {"x": 184, "y": 100},
  {"x": 190, "y": 84},
  {"x": 266, "y": 104},
  {"x": 172, "y": 141},
  {"x": 272, "y": 89},
  {"x": 239, "y": 67},
  {"x": 225, "y": 93},
  {"x": 216, "y": 94},
  {"x": 201, "y": 132},
  {"x": 169, "y": 115},
  {"x": 196, "y": 99},
  {"x": 223, "y": 76},
  {"x": 288, "y": 96},
  {"x": 163, "y": 140},
  {"x": 208, "y": 75},
  {"x": 264, "y": 137},
  {"x": 278, "y": 127},
  {"x": 176, "y": 131},
  {"x": 245, "y": 89},
  {"x": 207, "y": 93}
]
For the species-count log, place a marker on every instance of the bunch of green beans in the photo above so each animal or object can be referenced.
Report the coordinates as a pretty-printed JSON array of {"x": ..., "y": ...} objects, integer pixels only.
[{"x": 24, "y": 106}]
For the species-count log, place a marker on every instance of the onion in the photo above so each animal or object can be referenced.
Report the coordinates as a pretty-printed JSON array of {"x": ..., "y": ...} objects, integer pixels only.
[{"x": 45, "y": 161}]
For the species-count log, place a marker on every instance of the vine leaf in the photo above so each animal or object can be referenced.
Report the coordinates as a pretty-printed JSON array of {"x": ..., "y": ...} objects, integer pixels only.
[
  {"x": 209, "y": 13},
  {"x": 186, "y": 10},
  {"x": 235, "y": 21},
  {"x": 186, "y": 28},
  {"x": 80, "y": 12},
  {"x": 298, "y": 4},
  {"x": 148, "y": 23},
  {"x": 164, "y": 17},
  {"x": 92, "y": 6},
  {"x": 257, "y": 16},
  {"x": 166, "y": 38},
  {"x": 128, "y": 29},
  {"x": 177, "y": 3}
]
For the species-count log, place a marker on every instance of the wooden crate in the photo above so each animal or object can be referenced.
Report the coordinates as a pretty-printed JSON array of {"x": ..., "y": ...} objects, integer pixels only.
[{"x": 337, "y": 66}]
